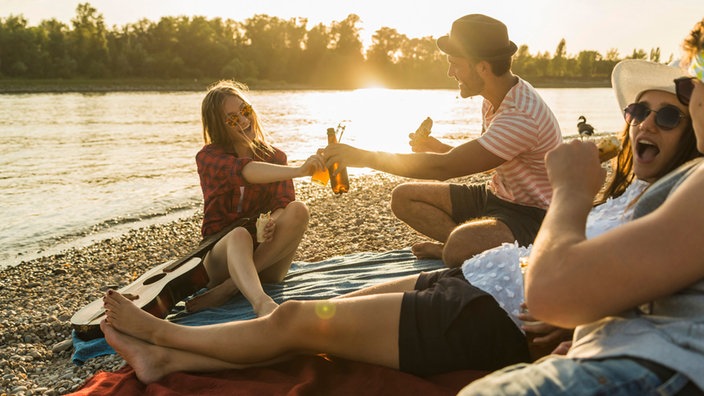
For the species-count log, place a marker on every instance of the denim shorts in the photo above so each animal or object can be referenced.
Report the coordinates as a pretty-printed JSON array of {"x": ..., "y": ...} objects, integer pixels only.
[{"x": 576, "y": 377}]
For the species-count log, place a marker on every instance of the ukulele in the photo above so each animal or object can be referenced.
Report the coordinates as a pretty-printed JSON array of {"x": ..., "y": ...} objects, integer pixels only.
[{"x": 158, "y": 290}]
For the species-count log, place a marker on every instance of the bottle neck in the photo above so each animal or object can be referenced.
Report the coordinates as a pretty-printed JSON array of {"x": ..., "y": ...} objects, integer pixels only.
[{"x": 331, "y": 137}]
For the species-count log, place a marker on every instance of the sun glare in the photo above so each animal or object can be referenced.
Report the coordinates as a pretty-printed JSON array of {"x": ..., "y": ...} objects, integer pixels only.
[
  {"x": 379, "y": 121},
  {"x": 373, "y": 84}
]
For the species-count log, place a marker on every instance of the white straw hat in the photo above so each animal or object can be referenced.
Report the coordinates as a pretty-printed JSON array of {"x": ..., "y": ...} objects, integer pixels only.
[{"x": 631, "y": 77}]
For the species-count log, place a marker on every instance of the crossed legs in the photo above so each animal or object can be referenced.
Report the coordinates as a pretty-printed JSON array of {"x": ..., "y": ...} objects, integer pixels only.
[
  {"x": 362, "y": 328},
  {"x": 427, "y": 208}
]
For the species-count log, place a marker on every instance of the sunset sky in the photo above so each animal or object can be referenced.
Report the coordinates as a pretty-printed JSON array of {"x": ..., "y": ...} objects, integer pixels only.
[{"x": 585, "y": 25}]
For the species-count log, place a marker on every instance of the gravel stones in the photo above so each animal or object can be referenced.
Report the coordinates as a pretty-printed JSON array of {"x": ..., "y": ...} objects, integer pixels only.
[{"x": 38, "y": 298}]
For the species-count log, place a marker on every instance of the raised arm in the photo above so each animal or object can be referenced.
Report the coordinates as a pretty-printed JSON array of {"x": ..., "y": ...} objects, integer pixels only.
[
  {"x": 466, "y": 159},
  {"x": 257, "y": 172},
  {"x": 572, "y": 280}
]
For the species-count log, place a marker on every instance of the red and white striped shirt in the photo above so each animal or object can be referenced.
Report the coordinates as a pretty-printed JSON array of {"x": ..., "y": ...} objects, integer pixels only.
[{"x": 521, "y": 131}]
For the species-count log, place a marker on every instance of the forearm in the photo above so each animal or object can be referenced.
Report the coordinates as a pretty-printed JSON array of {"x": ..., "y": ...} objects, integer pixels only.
[
  {"x": 416, "y": 166},
  {"x": 406, "y": 165},
  {"x": 257, "y": 172},
  {"x": 564, "y": 223},
  {"x": 466, "y": 159},
  {"x": 427, "y": 166},
  {"x": 555, "y": 261},
  {"x": 443, "y": 148}
]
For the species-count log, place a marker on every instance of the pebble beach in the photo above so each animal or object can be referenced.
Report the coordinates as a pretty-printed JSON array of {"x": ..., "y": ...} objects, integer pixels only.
[{"x": 39, "y": 297}]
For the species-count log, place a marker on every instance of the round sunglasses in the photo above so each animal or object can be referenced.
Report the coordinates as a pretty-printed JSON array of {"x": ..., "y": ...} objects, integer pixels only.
[
  {"x": 668, "y": 117},
  {"x": 684, "y": 87},
  {"x": 233, "y": 119}
]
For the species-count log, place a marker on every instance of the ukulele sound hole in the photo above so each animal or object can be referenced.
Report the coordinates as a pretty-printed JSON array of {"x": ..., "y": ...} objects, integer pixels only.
[{"x": 154, "y": 279}]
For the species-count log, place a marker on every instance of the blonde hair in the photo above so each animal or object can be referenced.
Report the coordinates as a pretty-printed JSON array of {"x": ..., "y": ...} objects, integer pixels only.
[
  {"x": 693, "y": 43},
  {"x": 215, "y": 129}
]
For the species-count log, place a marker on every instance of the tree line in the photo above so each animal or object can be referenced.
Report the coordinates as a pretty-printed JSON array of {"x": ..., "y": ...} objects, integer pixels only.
[{"x": 259, "y": 49}]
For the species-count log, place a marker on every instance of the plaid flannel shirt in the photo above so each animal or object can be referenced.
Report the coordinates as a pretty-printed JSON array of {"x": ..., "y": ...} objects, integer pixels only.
[{"x": 227, "y": 196}]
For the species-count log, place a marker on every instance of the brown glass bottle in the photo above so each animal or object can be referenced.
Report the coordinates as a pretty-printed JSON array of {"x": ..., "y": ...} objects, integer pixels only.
[{"x": 339, "y": 182}]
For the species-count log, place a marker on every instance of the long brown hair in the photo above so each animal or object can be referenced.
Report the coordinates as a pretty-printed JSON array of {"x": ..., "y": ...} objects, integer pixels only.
[
  {"x": 622, "y": 165},
  {"x": 216, "y": 131}
]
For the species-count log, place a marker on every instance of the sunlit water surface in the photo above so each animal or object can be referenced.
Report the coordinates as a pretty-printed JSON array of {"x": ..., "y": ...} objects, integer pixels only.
[{"x": 75, "y": 165}]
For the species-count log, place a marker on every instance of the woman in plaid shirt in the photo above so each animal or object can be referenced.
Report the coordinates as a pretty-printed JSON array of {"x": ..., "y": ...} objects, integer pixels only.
[{"x": 243, "y": 176}]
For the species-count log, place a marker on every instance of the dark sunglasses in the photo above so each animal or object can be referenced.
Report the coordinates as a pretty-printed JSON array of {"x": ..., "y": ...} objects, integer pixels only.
[
  {"x": 684, "y": 87},
  {"x": 668, "y": 117}
]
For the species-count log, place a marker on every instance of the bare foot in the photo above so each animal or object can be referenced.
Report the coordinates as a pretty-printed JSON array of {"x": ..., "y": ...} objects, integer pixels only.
[
  {"x": 128, "y": 318},
  {"x": 214, "y": 297},
  {"x": 265, "y": 307},
  {"x": 427, "y": 250},
  {"x": 146, "y": 359}
]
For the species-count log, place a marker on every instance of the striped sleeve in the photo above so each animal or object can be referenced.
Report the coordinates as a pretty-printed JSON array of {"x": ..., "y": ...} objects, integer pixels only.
[{"x": 521, "y": 131}]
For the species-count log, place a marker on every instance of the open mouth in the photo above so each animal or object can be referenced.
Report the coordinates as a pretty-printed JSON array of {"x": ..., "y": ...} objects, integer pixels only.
[{"x": 646, "y": 150}]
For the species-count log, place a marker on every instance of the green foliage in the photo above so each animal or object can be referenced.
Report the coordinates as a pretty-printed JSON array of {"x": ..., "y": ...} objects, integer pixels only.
[{"x": 259, "y": 49}]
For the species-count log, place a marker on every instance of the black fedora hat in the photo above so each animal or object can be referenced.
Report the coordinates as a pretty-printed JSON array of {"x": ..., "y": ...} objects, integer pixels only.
[{"x": 477, "y": 36}]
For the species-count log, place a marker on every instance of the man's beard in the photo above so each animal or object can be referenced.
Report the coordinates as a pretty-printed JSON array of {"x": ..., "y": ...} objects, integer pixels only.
[
  {"x": 467, "y": 91},
  {"x": 471, "y": 87}
]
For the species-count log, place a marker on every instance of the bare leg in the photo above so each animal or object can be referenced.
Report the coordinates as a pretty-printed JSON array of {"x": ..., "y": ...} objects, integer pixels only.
[
  {"x": 427, "y": 208},
  {"x": 399, "y": 285},
  {"x": 271, "y": 260},
  {"x": 427, "y": 250},
  {"x": 357, "y": 328},
  {"x": 236, "y": 251},
  {"x": 406, "y": 283},
  {"x": 474, "y": 237},
  {"x": 244, "y": 274},
  {"x": 220, "y": 286},
  {"x": 213, "y": 297},
  {"x": 152, "y": 362}
]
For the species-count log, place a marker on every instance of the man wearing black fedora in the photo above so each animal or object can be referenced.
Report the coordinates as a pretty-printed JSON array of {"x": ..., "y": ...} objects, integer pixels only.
[{"x": 518, "y": 129}]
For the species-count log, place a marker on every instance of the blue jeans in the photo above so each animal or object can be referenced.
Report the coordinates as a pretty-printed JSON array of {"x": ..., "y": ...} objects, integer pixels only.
[{"x": 565, "y": 376}]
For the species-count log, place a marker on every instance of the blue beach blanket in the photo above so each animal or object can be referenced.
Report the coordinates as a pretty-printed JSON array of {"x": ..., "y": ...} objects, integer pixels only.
[{"x": 305, "y": 281}]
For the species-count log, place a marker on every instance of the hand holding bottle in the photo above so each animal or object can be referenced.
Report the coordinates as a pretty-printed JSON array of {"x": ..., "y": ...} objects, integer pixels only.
[{"x": 314, "y": 165}]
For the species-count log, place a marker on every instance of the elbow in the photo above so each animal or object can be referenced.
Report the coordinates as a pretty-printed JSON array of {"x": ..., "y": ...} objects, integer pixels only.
[
  {"x": 539, "y": 302},
  {"x": 248, "y": 173},
  {"x": 553, "y": 303},
  {"x": 548, "y": 312},
  {"x": 557, "y": 309}
]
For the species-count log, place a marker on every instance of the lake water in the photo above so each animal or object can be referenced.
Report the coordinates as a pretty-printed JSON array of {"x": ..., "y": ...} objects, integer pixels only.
[{"x": 79, "y": 167}]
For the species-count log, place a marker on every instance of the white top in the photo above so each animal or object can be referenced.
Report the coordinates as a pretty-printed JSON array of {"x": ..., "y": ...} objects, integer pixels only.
[{"x": 497, "y": 271}]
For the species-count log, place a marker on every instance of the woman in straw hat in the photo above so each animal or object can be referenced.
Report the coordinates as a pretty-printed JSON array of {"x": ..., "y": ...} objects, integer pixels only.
[{"x": 635, "y": 294}]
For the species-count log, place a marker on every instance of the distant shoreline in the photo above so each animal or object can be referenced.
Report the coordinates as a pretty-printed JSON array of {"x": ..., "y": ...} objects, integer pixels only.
[{"x": 24, "y": 86}]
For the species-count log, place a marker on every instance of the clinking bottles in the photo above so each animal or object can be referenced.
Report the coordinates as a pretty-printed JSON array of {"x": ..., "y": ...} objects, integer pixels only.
[{"x": 339, "y": 182}]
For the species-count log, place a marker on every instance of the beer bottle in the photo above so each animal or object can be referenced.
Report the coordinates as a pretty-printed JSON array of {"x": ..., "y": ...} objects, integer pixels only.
[{"x": 339, "y": 182}]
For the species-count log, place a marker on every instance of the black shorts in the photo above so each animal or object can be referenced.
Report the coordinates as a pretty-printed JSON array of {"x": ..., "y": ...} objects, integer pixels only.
[
  {"x": 475, "y": 201},
  {"x": 447, "y": 324}
]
